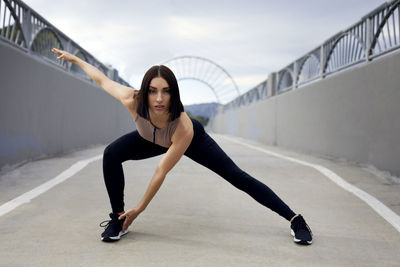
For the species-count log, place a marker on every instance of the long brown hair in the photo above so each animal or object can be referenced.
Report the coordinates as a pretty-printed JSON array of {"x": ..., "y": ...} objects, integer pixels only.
[{"x": 162, "y": 71}]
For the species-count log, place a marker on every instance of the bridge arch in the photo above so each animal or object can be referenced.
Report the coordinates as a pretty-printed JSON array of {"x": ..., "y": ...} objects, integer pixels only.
[
  {"x": 309, "y": 69},
  {"x": 347, "y": 49},
  {"x": 42, "y": 42},
  {"x": 285, "y": 80},
  {"x": 386, "y": 36},
  {"x": 207, "y": 72}
]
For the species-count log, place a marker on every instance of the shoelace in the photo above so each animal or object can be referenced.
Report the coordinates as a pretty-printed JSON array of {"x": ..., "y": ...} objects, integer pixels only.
[{"x": 108, "y": 222}]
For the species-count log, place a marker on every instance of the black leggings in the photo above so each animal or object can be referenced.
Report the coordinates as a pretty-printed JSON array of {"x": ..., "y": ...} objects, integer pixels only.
[{"x": 203, "y": 150}]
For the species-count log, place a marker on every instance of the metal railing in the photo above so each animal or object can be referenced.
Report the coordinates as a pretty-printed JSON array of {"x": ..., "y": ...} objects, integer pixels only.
[
  {"x": 257, "y": 93},
  {"x": 25, "y": 29},
  {"x": 376, "y": 34}
]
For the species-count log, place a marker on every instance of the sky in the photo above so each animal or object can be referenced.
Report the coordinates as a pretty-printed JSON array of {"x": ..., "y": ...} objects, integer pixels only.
[{"x": 248, "y": 38}]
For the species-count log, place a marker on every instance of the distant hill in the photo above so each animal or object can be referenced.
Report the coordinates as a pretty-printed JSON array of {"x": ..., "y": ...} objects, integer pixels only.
[{"x": 204, "y": 110}]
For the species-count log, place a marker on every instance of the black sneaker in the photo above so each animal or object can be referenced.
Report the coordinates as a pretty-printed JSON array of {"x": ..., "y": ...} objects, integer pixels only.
[
  {"x": 301, "y": 231},
  {"x": 113, "y": 231}
]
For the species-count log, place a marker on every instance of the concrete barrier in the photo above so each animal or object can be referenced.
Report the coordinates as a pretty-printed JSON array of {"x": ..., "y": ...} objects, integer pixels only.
[
  {"x": 354, "y": 115},
  {"x": 46, "y": 111}
]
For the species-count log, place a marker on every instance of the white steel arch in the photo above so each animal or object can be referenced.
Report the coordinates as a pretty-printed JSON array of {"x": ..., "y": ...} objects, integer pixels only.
[{"x": 208, "y": 73}]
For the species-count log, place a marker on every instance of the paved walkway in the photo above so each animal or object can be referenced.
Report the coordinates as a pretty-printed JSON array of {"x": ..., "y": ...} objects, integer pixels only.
[{"x": 198, "y": 219}]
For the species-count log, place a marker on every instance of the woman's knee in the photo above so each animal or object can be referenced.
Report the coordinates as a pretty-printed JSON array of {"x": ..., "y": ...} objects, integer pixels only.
[{"x": 110, "y": 154}]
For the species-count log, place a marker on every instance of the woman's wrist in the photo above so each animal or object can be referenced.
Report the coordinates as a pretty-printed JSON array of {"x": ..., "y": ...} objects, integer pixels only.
[
  {"x": 140, "y": 208},
  {"x": 75, "y": 60}
]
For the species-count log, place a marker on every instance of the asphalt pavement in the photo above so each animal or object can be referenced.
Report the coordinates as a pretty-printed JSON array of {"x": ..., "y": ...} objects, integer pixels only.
[{"x": 197, "y": 218}]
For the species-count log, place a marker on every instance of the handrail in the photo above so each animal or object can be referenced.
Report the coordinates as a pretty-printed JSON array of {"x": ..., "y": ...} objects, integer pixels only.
[
  {"x": 376, "y": 34},
  {"x": 25, "y": 29}
]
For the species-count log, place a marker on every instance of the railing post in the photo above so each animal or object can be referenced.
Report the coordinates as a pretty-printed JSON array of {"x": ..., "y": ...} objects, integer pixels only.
[
  {"x": 294, "y": 85},
  {"x": 368, "y": 40},
  {"x": 68, "y": 47},
  {"x": 271, "y": 84},
  {"x": 264, "y": 90},
  {"x": 322, "y": 62},
  {"x": 27, "y": 28},
  {"x": 112, "y": 73}
]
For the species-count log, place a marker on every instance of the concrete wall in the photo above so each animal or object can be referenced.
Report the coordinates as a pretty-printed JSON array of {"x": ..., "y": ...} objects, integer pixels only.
[
  {"x": 354, "y": 115},
  {"x": 45, "y": 110}
]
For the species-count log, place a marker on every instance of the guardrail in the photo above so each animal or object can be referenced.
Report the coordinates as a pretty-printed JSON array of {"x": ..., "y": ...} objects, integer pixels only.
[
  {"x": 376, "y": 34},
  {"x": 25, "y": 29},
  {"x": 255, "y": 94}
]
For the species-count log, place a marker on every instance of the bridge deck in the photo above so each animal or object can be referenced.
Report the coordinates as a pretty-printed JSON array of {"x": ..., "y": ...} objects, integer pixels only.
[{"x": 197, "y": 218}]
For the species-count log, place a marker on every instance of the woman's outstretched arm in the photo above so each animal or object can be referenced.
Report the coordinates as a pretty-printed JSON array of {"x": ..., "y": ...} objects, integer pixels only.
[{"x": 120, "y": 92}]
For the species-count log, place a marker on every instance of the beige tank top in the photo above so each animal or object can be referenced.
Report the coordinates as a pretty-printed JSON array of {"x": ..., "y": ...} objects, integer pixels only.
[{"x": 159, "y": 136}]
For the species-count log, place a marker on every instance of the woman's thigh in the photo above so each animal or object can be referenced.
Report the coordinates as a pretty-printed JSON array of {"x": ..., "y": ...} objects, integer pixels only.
[
  {"x": 132, "y": 146},
  {"x": 205, "y": 151}
]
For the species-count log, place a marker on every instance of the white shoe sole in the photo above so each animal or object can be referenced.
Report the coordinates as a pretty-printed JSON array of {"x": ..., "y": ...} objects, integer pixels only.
[
  {"x": 298, "y": 240},
  {"x": 114, "y": 238}
]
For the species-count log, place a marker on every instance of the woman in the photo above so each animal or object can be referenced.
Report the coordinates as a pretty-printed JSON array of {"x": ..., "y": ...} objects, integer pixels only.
[{"x": 164, "y": 127}]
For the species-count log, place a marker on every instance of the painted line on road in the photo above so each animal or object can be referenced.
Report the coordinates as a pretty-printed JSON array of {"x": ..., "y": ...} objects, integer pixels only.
[
  {"x": 374, "y": 203},
  {"x": 28, "y": 196}
]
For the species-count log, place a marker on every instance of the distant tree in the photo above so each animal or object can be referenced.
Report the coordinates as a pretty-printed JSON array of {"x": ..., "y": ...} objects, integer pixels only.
[{"x": 202, "y": 120}]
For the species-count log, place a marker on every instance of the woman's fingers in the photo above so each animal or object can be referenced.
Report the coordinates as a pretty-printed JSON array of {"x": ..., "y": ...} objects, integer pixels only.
[
  {"x": 122, "y": 216},
  {"x": 129, "y": 217},
  {"x": 58, "y": 52},
  {"x": 128, "y": 221},
  {"x": 125, "y": 225}
]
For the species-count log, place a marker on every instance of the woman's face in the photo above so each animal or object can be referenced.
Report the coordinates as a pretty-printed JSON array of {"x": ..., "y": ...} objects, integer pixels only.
[{"x": 159, "y": 96}]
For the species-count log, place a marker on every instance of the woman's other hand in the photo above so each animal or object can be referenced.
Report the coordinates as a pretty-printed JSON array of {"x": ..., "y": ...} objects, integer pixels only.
[
  {"x": 129, "y": 216},
  {"x": 63, "y": 55}
]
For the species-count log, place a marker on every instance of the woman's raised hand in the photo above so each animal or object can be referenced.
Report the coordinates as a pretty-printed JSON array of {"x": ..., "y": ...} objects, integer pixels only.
[{"x": 64, "y": 55}]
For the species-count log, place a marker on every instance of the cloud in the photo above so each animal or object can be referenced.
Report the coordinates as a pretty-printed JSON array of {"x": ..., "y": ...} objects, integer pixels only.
[
  {"x": 190, "y": 28},
  {"x": 247, "y": 82},
  {"x": 248, "y": 38}
]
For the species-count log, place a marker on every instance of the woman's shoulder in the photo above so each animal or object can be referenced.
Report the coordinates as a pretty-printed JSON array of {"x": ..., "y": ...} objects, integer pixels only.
[
  {"x": 185, "y": 124},
  {"x": 184, "y": 130},
  {"x": 184, "y": 117}
]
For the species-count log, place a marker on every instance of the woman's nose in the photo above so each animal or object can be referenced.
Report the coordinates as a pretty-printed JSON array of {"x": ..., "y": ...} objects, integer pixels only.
[{"x": 159, "y": 97}]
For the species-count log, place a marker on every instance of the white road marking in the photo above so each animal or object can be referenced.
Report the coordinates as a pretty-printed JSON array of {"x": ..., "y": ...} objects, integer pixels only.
[
  {"x": 374, "y": 203},
  {"x": 28, "y": 196}
]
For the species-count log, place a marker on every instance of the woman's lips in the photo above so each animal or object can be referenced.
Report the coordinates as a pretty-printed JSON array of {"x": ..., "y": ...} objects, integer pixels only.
[{"x": 159, "y": 107}]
